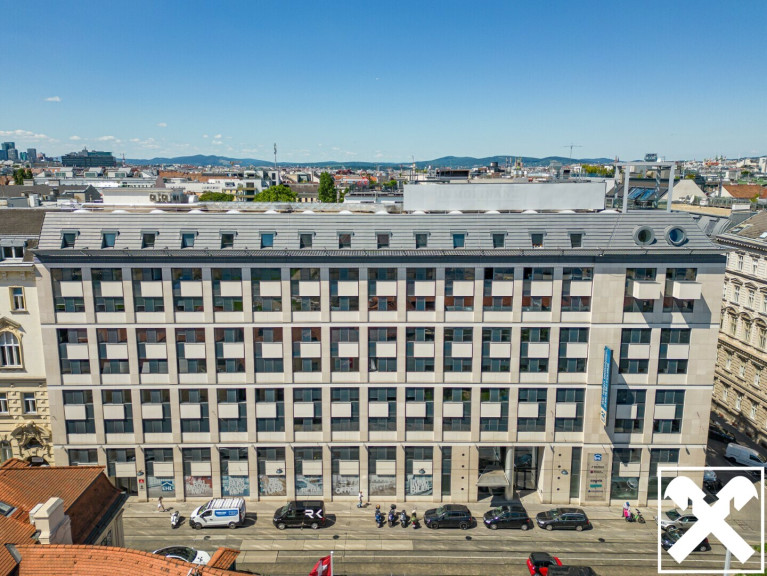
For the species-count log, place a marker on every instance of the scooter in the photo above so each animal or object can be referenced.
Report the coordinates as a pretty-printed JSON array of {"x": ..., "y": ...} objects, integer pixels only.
[
  {"x": 403, "y": 519},
  {"x": 392, "y": 516},
  {"x": 637, "y": 516},
  {"x": 379, "y": 518},
  {"x": 175, "y": 519}
]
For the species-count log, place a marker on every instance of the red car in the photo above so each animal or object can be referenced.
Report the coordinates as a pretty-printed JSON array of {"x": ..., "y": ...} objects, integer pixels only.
[{"x": 539, "y": 562}]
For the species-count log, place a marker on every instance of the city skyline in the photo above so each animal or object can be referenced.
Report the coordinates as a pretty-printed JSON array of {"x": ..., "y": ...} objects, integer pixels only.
[{"x": 349, "y": 83}]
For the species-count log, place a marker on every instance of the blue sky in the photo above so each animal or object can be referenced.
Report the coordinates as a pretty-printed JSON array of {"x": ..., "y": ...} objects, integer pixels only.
[{"x": 386, "y": 81}]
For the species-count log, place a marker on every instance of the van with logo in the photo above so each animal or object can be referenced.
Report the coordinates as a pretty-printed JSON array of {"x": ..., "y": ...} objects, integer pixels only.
[
  {"x": 219, "y": 512},
  {"x": 301, "y": 513},
  {"x": 744, "y": 456}
]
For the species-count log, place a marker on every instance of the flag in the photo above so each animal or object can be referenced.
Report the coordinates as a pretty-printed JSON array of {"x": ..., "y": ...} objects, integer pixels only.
[{"x": 322, "y": 567}]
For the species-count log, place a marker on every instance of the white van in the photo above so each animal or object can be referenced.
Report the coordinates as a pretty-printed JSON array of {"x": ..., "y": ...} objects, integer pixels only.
[
  {"x": 219, "y": 512},
  {"x": 744, "y": 456}
]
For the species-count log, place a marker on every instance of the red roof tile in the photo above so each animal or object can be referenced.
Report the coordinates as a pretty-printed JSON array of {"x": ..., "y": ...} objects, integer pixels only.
[
  {"x": 745, "y": 191},
  {"x": 13, "y": 531},
  {"x": 60, "y": 560},
  {"x": 224, "y": 558}
]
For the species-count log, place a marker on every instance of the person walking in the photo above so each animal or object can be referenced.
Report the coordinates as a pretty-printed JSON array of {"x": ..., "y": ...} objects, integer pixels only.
[
  {"x": 626, "y": 511},
  {"x": 359, "y": 504},
  {"x": 160, "y": 506},
  {"x": 414, "y": 519}
]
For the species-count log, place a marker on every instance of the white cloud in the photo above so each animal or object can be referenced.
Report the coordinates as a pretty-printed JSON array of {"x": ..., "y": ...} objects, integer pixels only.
[
  {"x": 106, "y": 138},
  {"x": 379, "y": 155},
  {"x": 162, "y": 124},
  {"x": 26, "y": 134},
  {"x": 53, "y": 99},
  {"x": 216, "y": 142},
  {"x": 75, "y": 138},
  {"x": 204, "y": 135},
  {"x": 218, "y": 136},
  {"x": 135, "y": 140}
]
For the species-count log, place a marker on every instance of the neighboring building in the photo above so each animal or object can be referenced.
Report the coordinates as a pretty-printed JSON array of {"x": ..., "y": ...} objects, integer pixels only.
[
  {"x": 740, "y": 391},
  {"x": 61, "y": 560},
  {"x": 57, "y": 505},
  {"x": 418, "y": 357},
  {"x": 89, "y": 159},
  {"x": 24, "y": 414},
  {"x": 745, "y": 192},
  {"x": 32, "y": 155}
]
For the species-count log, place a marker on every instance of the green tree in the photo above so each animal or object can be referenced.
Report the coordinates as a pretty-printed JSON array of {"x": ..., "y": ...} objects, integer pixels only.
[
  {"x": 216, "y": 197},
  {"x": 277, "y": 193},
  {"x": 327, "y": 190},
  {"x": 18, "y": 176},
  {"x": 28, "y": 174}
]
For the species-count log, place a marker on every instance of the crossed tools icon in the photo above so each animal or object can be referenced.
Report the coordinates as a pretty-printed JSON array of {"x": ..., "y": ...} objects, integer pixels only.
[{"x": 711, "y": 518}]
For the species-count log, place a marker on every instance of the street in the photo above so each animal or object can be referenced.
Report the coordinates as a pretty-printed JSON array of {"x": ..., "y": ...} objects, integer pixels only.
[{"x": 612, "y": 547}]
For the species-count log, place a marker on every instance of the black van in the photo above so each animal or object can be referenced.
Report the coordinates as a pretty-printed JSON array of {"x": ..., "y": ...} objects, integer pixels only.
[{"x": 301, "y": 513}]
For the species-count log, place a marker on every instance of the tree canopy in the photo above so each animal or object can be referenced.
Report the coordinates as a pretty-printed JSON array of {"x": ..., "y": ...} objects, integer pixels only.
[
  {"x": 277, "y": 193},
  {"x": 327, "y": 190},
  {"x": 217, "y": 197}
]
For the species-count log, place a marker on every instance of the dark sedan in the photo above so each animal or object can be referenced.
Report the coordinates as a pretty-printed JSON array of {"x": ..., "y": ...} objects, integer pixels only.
[
  {"x": 507, "y": 517},
  {"x": 563, "y": 519},
  {"x": 670, "y": 537},
  {"x": 449, "y": 516},
  {"x": 716, "y": 432}
]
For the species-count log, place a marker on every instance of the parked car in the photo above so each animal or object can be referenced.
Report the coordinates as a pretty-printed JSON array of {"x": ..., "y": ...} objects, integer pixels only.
[
  {"x": 670, "y": 536},
  {"x": 507, "y": 517},
  {"x": 309, "y": 513},
  {"x": 449, "y": 516},
  {"x": 563, "y": 519},
  {"x": 675, "y": 519},
  {"x": 185, "y": 554},
  {"x": 716, "y": 432},
  {"x": 539, "y": 563},
  {"x": 744, "y": 456},
  {"x": 219, "y": 512},
  {"x": 711, "y": 482}
]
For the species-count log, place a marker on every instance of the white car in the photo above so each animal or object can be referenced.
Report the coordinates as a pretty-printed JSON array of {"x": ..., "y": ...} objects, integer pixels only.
[
  {"x": 184, "y": 553},
  {"x": 676, "y": 519}
]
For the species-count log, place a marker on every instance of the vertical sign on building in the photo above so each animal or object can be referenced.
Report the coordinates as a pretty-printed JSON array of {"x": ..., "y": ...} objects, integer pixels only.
[{"x": 606, "y": 372}]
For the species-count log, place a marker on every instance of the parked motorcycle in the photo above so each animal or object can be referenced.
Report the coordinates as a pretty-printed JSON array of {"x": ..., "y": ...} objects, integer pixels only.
[
  {"x": 403, "y": 519},
  {"x": 175, "y": 519},
  {"x": 379, "y": 518},
  {"x": 392, "y": 515},
  {"x": 637, "y": 515}
]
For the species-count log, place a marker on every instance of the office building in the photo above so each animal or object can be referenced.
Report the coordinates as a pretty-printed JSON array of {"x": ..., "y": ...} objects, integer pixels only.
[
  {"x": 88, "y": 159},
  {"x": 31, "y": 155},
  {"x": 739, "y": 390},
  {"x": 415, "y": 356}
]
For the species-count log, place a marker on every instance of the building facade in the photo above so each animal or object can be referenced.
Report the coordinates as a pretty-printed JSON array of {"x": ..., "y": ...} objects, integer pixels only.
[
  {"x": 24, "y": 414},
  {"x": 419, "y": 357},
  {"x": 739, "y": 391}
]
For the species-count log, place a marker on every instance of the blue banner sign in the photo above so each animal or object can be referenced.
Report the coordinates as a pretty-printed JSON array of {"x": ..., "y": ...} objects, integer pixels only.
[{"x": 606, "y": 373}]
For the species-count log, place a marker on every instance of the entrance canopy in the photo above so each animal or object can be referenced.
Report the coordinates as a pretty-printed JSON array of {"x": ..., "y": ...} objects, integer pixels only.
[{"x": 493, "y": 479}]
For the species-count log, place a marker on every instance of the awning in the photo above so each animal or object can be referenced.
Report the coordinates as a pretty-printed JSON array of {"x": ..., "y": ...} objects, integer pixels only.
[{"x": 493, "y": 479}]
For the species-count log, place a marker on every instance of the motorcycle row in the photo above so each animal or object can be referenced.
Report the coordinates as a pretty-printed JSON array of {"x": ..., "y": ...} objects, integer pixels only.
[{"x": 393, "y": 517}]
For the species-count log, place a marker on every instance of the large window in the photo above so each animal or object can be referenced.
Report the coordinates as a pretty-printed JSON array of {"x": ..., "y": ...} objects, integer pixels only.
[
  {"x": 382, "y": 289},
  {"x": 266, "y": 289},
  {"x": 345, "y": 407},
  {"x": 304, "y": 289},
  {"x": 307, "y": 405},
  {"x": 68, "y": 289},
  {"x": 630, "y": 410},
  {"x": 668, "y": 420},
  {"x": 573, "y": 349},
  {"x": 230, "y": 350},
  {"x": 572, "y": 298},
  {"x": 671, "y": 338},
  {"x": 631, "y": 304},
  {"x": 671, "y": 304},
  {"x": 498, "y": 289},
  {"x": 534, "y": 279},
  {"x": 382, "y": 409},
  {"x": 232, "y": 410},
  {"x": 268, "y": 345},
  {"x": 636, "y": 361},
  {"x": 534, "y": 350},
  {"x": 421, "y": 289},
  {"x": 194, "y": 410},
  {"x": 227, "y": 289},
  {"x": 270, "y": 410},
  {"x": 382, "y": 349},
  {"x": 152, "y": 351},
  {"x": 419, "y": 409},
  {"x": 147, "y": 290},
  {"x": 458, "y": 349},
  {"x": 107, "y": 289},
  {"x": 494, "y": 415},
  {"x": 10, "y": 351},
  {"x": 570, "y": 401},
  {"x": 187, "y": 289},
  {"x": 190, "y": 348},
  {"x": 344, "y": 349},
  {"x": 531, "y": 416},
  {"x": 118, "y": 412},
  {"x": 73, "y": 351},
  {"x": 459, "y": 289},
  {"x": 458, "y": 399},
  {"x": 306, "y": 353},
  {"x": 420, "y": 349},
  {"x": 496, "y": 349},
  {"x": 344, "y": 289},
  {"x": 113, "y": 350}
]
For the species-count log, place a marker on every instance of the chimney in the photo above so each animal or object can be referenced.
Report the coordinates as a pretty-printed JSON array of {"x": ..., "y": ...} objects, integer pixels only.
[{"x": 54, "y": 526}]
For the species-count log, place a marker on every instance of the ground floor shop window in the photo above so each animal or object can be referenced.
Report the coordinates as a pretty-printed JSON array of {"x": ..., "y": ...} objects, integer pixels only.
[
  {"x": 235, "y": 479},
  {"x": 625, "y": 474},
  {"x": 382, "y": 468},
  {"x": 447, "y": 468},
  {"x": 418, "y": 471},
  {"x": 198, "y": 480},
  {"x": 271, "y": 472},
  {"x": 345, "y": 471},
  {"x": 308, "y": 465},
  {"x": 159, "y": 472},
  {"x": 663, "y": 458},
  {"x": 575, "y": 472}
]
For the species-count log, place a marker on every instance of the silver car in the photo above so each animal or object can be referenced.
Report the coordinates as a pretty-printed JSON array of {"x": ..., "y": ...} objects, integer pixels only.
[{"x": 184, "y": 553}]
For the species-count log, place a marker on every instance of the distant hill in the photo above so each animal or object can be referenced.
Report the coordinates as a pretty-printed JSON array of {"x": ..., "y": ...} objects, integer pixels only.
[{"x": 444, "y": 162}]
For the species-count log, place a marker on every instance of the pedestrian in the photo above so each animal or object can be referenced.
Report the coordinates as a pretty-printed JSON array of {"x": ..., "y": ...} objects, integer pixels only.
[
  {"x": 359, "y": 504},
  {"x": 160, "y": 507},
  {"x": 626, "y": 511},
  {"x": 414, "y": 519}
]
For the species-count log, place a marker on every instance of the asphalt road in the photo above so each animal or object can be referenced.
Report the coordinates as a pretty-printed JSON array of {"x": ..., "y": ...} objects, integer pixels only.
[{"x": 360, "y": 548}]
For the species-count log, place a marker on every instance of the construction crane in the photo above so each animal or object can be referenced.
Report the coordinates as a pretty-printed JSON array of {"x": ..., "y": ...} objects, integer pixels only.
[{"x": 571, "y": 146}]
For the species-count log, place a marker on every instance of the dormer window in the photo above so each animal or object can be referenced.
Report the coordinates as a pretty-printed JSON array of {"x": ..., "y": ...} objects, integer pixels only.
[
  {"x": 187, "y": 239},
  {"x": 148, "y": 239},
  {"x": 344, "y": 240},
  {"x": 536, "y": 239},
  {"x": 68, "y": 239},
  {"x": 108, "y": 239},
  {"x": 576, "y": 239},
  {"x": 383, "y": 239},
  {"x": 459, "y": 240},
  {"x": 499, "y": 240},
  {"x": 13, "y": 252},
  {"x": 305, "y": 239},
  {"x": 267, "y": 240},
  {"x": 421, "y": 240},
  {"x": 227, "y": 240}
]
